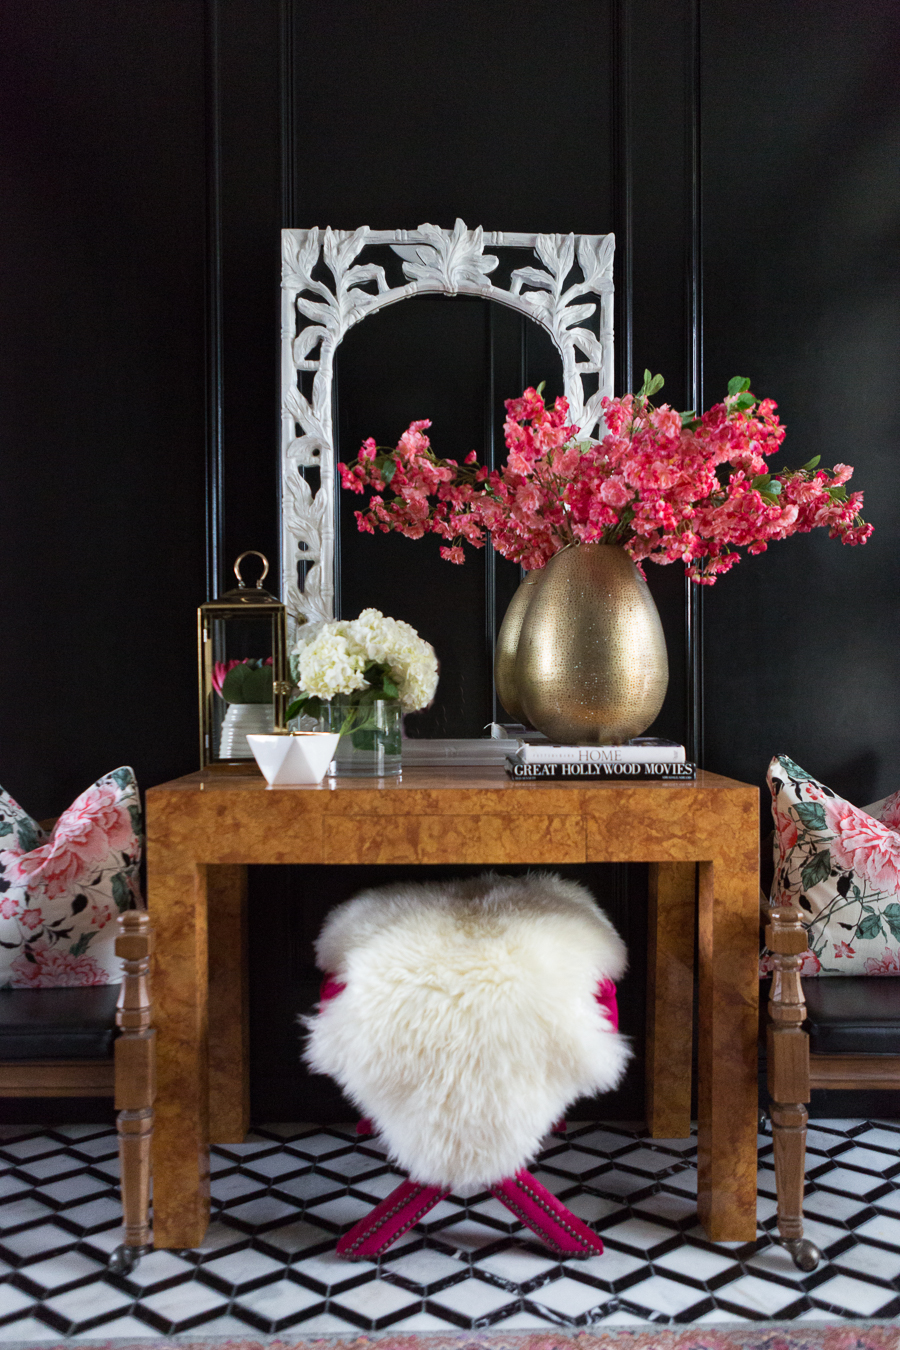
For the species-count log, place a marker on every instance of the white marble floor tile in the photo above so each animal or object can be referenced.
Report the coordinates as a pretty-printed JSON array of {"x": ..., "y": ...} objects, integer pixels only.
[
  {"x": 760, "y": 1296},
  {"x": 426, "y": 1267},
  {"x": 28, "y": 1329},
  {"x": 239, "y": 1269},
  {"x": 639, "y": 1234},
  {"x": 378, "y": 1299},
  {"x": 279, "y": 1301},
  {"x": 881, "y": 1228},
  {"x": 852, "y": 1295},
  {"x": 695, "y": 1262},
  {"x": 868, "y": 1260},
  {"x": 665, "y": 1296},
  {"x": 569, "y": 1297},
  {"x": 517, "y": 1265},
  {"x": 474, "y": 1298}
]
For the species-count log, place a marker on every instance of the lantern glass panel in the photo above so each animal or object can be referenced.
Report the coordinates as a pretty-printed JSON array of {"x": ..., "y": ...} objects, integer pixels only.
[{"x": 243, "y": 655}]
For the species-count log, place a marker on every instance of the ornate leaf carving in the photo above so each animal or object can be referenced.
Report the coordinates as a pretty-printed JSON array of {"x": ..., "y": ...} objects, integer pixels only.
[{"x": 452, "y": 260}]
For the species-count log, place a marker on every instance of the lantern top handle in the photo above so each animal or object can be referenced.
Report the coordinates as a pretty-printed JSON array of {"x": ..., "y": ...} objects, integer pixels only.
[{"x": 251, "y": 553}]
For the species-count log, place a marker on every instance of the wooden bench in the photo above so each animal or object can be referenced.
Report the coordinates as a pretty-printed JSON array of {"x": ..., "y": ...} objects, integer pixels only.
[{"x": 95, "y": 1042}]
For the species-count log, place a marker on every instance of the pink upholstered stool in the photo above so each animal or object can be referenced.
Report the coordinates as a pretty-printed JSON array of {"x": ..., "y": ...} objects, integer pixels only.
[{"x": 462, "y": 1019}]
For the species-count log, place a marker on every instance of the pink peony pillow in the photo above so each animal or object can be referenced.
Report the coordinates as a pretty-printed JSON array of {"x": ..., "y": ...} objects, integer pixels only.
[
  {"x": 60, "y": 893},
  {"x": 840, "y": 865}
]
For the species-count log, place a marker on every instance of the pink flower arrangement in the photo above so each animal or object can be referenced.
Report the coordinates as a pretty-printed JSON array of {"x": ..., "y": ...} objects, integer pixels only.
[{"x": 667, "y": 486}]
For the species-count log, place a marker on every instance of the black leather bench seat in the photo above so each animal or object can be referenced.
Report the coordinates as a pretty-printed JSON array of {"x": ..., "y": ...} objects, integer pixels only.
[
  {"x": 853, "y": 1014},
  {"x": 58, "y": 1023}
]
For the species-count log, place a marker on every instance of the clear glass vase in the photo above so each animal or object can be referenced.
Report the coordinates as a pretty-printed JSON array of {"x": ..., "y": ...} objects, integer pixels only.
[{"x": 370, "y": 746}]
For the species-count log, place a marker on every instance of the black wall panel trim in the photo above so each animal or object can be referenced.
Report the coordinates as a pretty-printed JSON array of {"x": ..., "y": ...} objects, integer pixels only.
[{"x": 215, "y": 464}]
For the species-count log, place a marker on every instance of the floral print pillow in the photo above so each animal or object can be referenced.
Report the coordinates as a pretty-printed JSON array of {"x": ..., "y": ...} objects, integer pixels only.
[
  {"x": 840, "y": 865},
  {"x": 60, "y": 893}
]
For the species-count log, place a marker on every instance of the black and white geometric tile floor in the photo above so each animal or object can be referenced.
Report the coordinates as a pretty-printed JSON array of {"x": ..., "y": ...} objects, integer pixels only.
[{"x": 281, "y": 1199}]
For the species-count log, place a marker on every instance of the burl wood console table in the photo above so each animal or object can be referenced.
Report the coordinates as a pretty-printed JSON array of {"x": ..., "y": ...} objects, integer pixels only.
[{"x": 204, "y": 829}]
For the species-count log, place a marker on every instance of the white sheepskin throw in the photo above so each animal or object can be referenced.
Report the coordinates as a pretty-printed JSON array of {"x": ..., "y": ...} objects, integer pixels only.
[{"x": 468, "y": 1022}]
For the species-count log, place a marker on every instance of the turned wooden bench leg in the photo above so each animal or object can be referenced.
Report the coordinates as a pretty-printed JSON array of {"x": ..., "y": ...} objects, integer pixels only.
[
  {"x": 135, "y": 1059},
  {"x": 788, "y": 1079}
]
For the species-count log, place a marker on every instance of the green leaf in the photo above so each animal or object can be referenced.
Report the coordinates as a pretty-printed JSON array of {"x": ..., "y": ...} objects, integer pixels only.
[
  {"x": 816, "y": 870},
  {"x": 738, "y": 384},
  {"x": 309, "y": 705},
  {"x": 793, "y": 770},
  {"x": 390, "y": 689},
  {"x": 812, "y": 815},
  {"x": 811, "y": 463},
  {"x": 891, "y": 914},
  {"x": 124, "y": 777},
  {"x": 652, "y": 385},
  {"x": 80, "y": 947},
  {"x": 388, "y": 469},
  {"x": 250, "y": 682},
  {"x": 136, "y": 822},
  {"x": 122, "y": 892},
  {"x": 29, "y": 836},
  {"x": 743, "y": 402},
  {"x": 5, "y": 828},
  {"x": 869, "y": 928}
]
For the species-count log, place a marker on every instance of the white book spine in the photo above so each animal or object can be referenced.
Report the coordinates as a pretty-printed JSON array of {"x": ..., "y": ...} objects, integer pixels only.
[{"x": 599, "y": 754}]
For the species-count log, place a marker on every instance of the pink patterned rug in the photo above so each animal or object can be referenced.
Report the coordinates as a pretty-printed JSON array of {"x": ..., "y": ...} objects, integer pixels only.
[{"x": 761, "y": 1336}]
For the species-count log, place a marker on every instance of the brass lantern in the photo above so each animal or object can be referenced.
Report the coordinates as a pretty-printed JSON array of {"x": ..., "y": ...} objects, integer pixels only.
[{"x": 243, "y": 687}]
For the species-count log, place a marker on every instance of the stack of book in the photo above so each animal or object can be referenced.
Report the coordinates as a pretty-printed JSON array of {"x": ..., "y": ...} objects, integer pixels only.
[{"x": 640, "y": 760}]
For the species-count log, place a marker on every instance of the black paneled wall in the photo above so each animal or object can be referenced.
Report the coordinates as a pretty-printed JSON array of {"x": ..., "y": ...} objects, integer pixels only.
[
  {"x": 102, "y": 372},
  {"x": 745, "y": 160}
]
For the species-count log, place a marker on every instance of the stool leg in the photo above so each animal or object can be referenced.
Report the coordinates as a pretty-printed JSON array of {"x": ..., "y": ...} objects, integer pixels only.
[
  {"x": 554, "y": 1224},
  {"x": 403, "y": 1208}
]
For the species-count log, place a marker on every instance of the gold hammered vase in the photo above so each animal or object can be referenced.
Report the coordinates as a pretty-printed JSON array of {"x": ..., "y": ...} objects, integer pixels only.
[
  {"x": 507, "y": 642},
  {"x": 591, "y": 666}
]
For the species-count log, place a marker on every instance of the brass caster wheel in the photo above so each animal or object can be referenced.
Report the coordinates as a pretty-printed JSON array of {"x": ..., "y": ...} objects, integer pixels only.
[
  {"x": 124, "y": 1259},
  {"x": 762, "y": 1121},
  {"x": 804, "y": 1254}
]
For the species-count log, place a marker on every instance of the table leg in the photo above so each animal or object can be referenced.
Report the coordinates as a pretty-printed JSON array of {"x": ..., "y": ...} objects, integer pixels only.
[
  {"x": 670, "y": 999},
  {"x": 727, "y": 1069},
  {"x": 229, "y": 1032},
  {"x": 177, "y": 897}
]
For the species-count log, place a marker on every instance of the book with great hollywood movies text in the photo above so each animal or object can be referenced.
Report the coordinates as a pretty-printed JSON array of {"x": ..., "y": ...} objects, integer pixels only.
[{"x": 609, "y": 770}]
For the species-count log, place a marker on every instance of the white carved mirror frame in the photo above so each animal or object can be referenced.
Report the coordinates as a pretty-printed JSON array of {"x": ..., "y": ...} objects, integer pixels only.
[{"x": 315, "y": 317}]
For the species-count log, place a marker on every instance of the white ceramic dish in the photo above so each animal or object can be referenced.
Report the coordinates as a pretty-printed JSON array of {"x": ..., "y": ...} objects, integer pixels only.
[{"x": 298, "y": 760}]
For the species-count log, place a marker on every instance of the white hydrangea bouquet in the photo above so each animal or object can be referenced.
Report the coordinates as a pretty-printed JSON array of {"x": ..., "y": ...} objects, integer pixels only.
[{"x": 354, "y": 664}]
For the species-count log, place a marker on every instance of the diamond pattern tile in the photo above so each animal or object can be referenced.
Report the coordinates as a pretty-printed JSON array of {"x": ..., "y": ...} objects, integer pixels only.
[{"x": 279, "y": 1200}]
